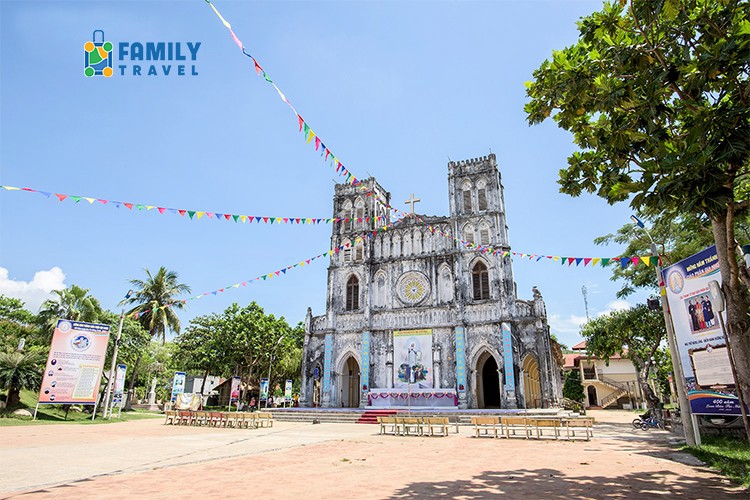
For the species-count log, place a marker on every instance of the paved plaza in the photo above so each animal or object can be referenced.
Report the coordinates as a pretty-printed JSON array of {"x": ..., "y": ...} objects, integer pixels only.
[{"x": 146, "y": 459}]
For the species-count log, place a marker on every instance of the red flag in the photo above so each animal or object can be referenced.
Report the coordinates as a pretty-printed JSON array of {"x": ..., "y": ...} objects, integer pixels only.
[
  {"x": 161, "y": 209},
  {"x": 301, "y": 122},
  {"x": 182, "y": 212},
  {"x": 129, "y": 205},
  {"x": 61, "y": 196}
]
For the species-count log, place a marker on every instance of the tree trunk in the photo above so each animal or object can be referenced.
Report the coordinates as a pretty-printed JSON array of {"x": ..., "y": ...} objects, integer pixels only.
[
  {"x": 203, "y": 385},
  {"x": 736, "y": 303},
  {"x": 14, "y": 396},
  {"x": 129, "y": 402}
]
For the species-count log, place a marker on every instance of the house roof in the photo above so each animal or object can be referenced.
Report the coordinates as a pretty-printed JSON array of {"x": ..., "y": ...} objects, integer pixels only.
[
  {"x": 570, "y": 360},
  {"x": 580, "y": 346}
]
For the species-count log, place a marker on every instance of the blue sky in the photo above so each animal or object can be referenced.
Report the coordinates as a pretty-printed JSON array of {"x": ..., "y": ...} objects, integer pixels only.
[{"x": 393, "y": 88}]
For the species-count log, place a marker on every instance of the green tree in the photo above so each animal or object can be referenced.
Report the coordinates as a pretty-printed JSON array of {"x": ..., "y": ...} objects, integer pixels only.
[
  {"x": 20, "y": 370},
  {"x": 72, "y": 303},
  {"x": 573, "y": 387},
  {"x": 635, "y": 334},
  {"x": 156, "y": 299},
  {"x": 17, "y": 323},
  {"x": 199, "y": 347},
  {"x": 657, "y": 97}
]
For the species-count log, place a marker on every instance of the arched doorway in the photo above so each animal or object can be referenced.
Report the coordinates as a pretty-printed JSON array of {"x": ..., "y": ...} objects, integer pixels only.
[
  {"x": 350, "y": 384},
  {"x": 591, "y": 391},
  {"x": 488, "y": 382},
  {"x": 532, "y": 387}
]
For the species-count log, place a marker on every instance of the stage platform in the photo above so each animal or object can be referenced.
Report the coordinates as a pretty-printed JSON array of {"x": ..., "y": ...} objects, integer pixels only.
[{"x": 369, "y": 415}]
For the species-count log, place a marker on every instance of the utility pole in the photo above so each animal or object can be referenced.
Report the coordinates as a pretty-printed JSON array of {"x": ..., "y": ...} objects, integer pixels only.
[
  {"x": 585, "y": 301},
  {"x": 111, "y": 379},
  {"x": 692, "y": 437}
]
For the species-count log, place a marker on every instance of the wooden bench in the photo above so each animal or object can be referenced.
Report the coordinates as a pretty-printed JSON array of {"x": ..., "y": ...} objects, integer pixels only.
[
  {"x": 581, "y": 424},
  {"x": 514, "y": 424},
  {"x": 389, "y": 422},
  {"x": 216, "y": 419},
  {"x": 486, "y": 424},
  {"x": 264, "y": 419},
  {"x": 430, "y": 424},
  {"x": 200, "y": 418},
  {"x": 185, "y": 417},
  {"x": 546, "y": 423},
  {"x": 171, "y": 417},
  {"x": 410, "y": 425}
]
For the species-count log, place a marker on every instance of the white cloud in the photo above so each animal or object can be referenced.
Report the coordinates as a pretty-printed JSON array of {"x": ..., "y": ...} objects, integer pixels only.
[
  {"x": 33, "y": 292},
  {"x": 568, "y": 329},
  {"x": 570, "y": 325},
  {"x": 615, "y": 305}
]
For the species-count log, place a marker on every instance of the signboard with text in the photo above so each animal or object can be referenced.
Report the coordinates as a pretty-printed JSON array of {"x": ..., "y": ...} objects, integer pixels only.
[
  {"x": 178, "y": 384},
  {"x": 288, "y": 391},
  {"x": 119, "y": 384},
  {"x": 74, "y": 366},
  {"x": 263, "y": 389},
  {"x": 698, "y": 330}
]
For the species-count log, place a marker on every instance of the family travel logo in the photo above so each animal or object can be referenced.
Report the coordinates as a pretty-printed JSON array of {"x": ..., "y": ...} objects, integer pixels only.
[
  {"x": 158, "y": 57},
  {"x": 97, "y": 56}
]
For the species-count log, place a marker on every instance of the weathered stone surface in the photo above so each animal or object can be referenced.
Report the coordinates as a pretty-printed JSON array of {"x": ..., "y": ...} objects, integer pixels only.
[{"x": 412, "y": 277}]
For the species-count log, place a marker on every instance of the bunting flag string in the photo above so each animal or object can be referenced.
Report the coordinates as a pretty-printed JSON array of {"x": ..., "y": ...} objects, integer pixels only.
[
  {"x": 311, "y": 137},
  {"x": 278, "y": 272},
  {"x": 196, "y": 214}
]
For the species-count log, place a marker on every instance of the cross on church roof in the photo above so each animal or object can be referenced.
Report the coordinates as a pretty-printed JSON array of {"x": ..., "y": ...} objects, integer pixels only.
[{"x": 412, "y": 200}]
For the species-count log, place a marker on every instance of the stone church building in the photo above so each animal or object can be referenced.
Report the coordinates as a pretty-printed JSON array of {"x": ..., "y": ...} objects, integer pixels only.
[{"x": 414, "y": 318}]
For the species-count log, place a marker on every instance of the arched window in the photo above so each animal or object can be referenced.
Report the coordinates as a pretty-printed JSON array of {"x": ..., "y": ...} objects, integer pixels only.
[
  {"x": 469, "y": 233},
  {"x": 352, "y": 294},
  {"x": 359, "y": 213},
  {"x": 347, "y": 252},
  {"x": 484, "y": 234},
  {"x": 359, "y": 252},
  {"x": 480, "y": 279},
  {"x": 346, "y": 214},
  {"x": 482, "y": 195},
  {"x": 380, "y": 290},
  {"x": 467, "y": 199}
]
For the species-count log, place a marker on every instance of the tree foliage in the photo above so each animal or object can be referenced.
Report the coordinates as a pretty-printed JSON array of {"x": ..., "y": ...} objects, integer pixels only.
[
  {"x": 17, "y": 323},
  {"x": 20, "y": 370},
  {"x": 152, "y": 295},
  {"x": 74, "y": 303},
  {"x": 573, "y": 387},
  {"x": 657, "y": 96}
]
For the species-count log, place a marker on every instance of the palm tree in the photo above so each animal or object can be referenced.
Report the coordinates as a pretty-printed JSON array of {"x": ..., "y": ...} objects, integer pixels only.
[
  {"x": 72, "y": 303},
  {"x": 19, "y": 370},
  {"x": 152, "y": 296}
]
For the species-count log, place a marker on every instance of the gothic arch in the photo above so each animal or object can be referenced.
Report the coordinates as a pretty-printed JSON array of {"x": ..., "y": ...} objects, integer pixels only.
[
  {"x": 346, "y": 252},
  {"x": 396, "y": 245},
  {"x": 479, "y": 270},
  {"x": 348, "y": 384},
  {"x": 346, "y": 213},
  {"x": 359, "y": 212},
  {"x": 408, "y": 249},
  {"x": 445, "y": 284},
  {"x": 484, "y": 233},
  {"x": 467, "y": 233},
  {"x": 532, "y": 385},
  {"x": 417, "y": 242},
  {"x": 466, "y": 197},
  {"x": 485, "y": 390},
  {"x": 482, "y": 198},
  {"x": 353, "y": 292},
  {"x": 359, "y": 250},
  {"x": 380, "y": 288}
]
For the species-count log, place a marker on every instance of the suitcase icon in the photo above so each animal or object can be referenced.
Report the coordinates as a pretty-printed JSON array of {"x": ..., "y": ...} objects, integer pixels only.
[{"x": 97, "y": 56}]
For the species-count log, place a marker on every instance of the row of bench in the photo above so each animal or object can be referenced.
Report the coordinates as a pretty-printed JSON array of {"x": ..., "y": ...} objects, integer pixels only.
[
  {"x": 236, "y": 419},
  {"x": 504, "y": 426},
  {"x": 414, "y": 426}
]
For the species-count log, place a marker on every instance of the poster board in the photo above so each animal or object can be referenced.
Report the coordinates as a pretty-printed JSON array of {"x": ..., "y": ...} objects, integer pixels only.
[
  {"x": 119, "y": 384},
  {"x": 412, "y": 358},
  {"x": 74, "y": 366},
  {"x": 178, "y": 385},
  {"x": 263, "y": 389},
  {"x": 700, "y": 340},
  {"x": 234, "y": 391},
  {"x": 288, "y": 391}
]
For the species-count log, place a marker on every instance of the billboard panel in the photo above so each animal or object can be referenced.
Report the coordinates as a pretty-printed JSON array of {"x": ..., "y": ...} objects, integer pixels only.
[
  {"x": 74, "y": 365},
  {"x": 412, "y": 358},
  {"x": 178, "y": 384},
  {"x": 119, "y": 384},
  {"x": 700, "y": 339}
]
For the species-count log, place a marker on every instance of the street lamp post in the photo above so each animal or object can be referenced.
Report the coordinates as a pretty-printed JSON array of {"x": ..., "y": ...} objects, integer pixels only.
[
  {"x": 111, "y": 381},
  {"x": 270, "y": 361},
  {"x": 691, "y": 432}
]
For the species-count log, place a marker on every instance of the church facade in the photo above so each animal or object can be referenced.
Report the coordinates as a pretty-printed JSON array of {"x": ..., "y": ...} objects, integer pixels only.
[{"x": 415, "y": 318}]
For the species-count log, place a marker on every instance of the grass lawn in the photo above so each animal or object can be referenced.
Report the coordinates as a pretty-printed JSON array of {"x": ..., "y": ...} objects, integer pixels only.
[
  {"x": 55, "y": 414},
  {"x": 730, "y": 456}
]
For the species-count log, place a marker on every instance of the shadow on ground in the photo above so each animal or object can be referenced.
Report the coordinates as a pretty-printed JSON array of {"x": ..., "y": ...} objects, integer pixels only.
[{"x": 551, "y": 483}]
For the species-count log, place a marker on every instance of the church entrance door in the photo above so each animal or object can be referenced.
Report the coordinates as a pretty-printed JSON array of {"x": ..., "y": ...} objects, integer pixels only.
[
  {"x": 488, "y": 382},
  {"x": 350, "y": 384}
]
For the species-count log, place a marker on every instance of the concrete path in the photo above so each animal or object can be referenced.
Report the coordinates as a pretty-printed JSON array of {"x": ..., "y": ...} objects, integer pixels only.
[{"x": 147, "y": 459}]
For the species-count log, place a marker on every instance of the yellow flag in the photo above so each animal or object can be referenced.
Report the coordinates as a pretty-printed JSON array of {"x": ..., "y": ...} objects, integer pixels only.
[
  {"x": 595, "y": 261},
  {"x": 90, "y": 200},
  {"x": 646, "y": 260},
  {"x": 200, "y": 214},
  {"x": 243, "y": 218}
]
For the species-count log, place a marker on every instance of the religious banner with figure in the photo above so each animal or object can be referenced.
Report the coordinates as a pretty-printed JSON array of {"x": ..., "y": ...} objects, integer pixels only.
[
  {"x": 412, "y": 358},
  {"x": 119, "y": 384},
  {"x": 234, "y": 390},
  {"x": 288, "y": 391},
  {"x": 692, "y": 289},
  {"x": 178, "y": 384},
  {"x": 263, "y": 389},
  {"x": 74, "y": 365}
]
